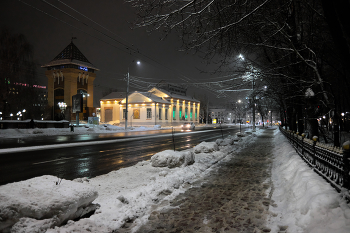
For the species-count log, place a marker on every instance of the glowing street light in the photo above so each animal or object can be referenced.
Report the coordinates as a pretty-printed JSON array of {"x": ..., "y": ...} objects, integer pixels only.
[{"x": 127, "y": 93}]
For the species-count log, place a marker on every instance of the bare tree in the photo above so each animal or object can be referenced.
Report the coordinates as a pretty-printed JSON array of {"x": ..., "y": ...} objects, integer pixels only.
[
  {"x": 17, "y": 74},
  {"x": 293, "y": 39}
]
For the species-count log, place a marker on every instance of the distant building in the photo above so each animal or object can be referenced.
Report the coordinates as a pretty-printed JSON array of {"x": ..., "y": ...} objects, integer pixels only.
[
  {"x": 28, "y": 98},
  {"x": 70, "y": 73},
  {"x": 218, "y": 115},
  {"x": 155, "y": 107}
]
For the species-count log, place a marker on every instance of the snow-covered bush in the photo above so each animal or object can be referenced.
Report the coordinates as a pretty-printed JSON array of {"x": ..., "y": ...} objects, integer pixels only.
[
  {"x": 38, "y": 131},
  {"x": 225, "y": 142},
  {"x": 171, "y": 159},
  {"x": 206, "y": 147},
  {"x": 157, "y": 126}
]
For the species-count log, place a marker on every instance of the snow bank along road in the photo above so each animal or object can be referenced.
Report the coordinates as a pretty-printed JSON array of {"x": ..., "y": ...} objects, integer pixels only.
[{"x": 93, "y": 158}]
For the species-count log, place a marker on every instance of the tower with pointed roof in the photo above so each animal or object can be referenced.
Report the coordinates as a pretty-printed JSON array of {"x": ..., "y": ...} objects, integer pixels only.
[{"x": 70, "y": 73}]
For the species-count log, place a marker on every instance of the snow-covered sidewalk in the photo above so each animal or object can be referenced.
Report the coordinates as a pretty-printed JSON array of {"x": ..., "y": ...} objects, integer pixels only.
[{"x": 304, "y": 201}]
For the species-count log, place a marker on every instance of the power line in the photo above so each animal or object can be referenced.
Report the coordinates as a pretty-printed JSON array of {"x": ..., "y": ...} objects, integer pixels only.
[
  {"x": 188, "y": 81},
  {"x": 128, "y": 47}
]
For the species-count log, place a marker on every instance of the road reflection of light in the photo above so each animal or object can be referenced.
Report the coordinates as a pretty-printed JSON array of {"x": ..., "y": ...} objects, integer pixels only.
[
  {"x": 62, "y": 138},
  {"x": 81, "y": 171},
  {"x": 84, "y": 158},
  {"x": 118, "y": 161},
  {"x": 85, "y": 137}
]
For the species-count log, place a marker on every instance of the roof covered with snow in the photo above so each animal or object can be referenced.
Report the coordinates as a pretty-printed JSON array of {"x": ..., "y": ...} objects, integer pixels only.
[
  {"x": 145, "y": 97},
  {"x": 159, "y": 91},
  {"x": 114, "y": 95}
]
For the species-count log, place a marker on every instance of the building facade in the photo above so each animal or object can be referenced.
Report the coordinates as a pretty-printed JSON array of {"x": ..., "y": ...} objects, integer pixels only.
[
  {"x": 155, "y": 107},
  {"x": 70, "y": 73}
]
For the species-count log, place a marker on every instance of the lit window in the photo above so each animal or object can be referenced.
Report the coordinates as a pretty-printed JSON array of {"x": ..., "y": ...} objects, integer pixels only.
[
  {"x": 149, "y": 113},
  {"x": 174, "y": 113}
]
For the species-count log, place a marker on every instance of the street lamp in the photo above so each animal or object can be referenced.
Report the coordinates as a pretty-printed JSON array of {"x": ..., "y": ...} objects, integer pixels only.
[
  {"x": 63, "y": 107},
  {"x": 253, "y": 99},
  {"x": 239, "y": 101},
  {"x": 19, "y": 115},
  {"x": 127, "y": 93}
]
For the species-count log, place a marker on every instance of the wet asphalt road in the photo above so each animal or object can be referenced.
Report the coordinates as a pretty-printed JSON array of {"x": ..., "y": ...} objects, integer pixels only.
[{"x": 93, "y": 155}]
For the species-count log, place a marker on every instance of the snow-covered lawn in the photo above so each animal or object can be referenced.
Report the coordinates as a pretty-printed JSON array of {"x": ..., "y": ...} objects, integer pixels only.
[{"x": 304, "y": 201}]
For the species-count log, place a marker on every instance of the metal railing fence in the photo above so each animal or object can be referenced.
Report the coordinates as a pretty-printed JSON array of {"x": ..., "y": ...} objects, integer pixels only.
[{"x": 332, "y": 163}]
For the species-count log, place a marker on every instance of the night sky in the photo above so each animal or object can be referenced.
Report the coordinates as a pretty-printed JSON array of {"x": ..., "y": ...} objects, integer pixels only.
[{"x": 111, "y": 52}]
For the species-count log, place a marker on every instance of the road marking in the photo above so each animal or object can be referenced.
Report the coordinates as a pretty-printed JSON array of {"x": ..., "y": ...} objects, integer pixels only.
[
  {"x": 53, "y": 160},
  {"x": 90, "y": 143}
]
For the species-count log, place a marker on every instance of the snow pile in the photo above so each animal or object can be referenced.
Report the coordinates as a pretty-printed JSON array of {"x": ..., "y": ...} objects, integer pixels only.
[
  {"x": 113, "y": 127},
  {"x": 171, "y": 159},
  {"x": 305, "y": 201},
  {"x": 225, "y": 142},
  {"x": 43, "y": 202},
  {"x": 206, "y": 147}
]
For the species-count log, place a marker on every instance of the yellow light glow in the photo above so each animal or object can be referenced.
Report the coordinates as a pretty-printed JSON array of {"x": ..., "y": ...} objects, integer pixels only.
[
  {"x": 143, "y": 104},
  {"x": 136, "y": 105},
  {"x": 152, "y": 103},
  {"x": 129, "y": 105},
  {"x": 108, "y": 102}
]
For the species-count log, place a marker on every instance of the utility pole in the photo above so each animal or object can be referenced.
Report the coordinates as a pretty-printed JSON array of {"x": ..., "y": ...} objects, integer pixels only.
[
  {"x": 208, "y": 112},
  {"x": 127, "y": 101},
  {"x": 253, "y": 106}
]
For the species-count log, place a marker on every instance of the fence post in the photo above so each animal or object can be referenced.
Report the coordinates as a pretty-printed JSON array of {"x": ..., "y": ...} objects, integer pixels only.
[
  {"x": 346, "y": 166},
  {"x": 302, "y": 143},
  {"x": 315, "y": 139}
]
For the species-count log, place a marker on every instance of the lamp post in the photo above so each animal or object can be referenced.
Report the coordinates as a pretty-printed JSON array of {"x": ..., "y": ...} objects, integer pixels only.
[
  {"x": 253, "y": 98},
  {"x": 127, "y": 93},
  {"x": 240, "y": 111},
  {"x": 19, "y": 115},
  {"x": 23, "y": 112},
  {"x": 63, "y": 107}
]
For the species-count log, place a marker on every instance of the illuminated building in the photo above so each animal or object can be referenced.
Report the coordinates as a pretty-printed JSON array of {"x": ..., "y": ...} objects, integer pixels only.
[
  {"x": 155, "y": 107},
  {"x": 70, "y": 73}
]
